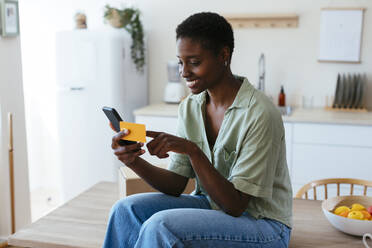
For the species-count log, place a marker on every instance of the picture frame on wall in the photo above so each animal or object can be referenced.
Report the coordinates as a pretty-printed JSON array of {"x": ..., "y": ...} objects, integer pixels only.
[
  {"x": 9, "y": 18},
  {"x": 341, "y": 35}
]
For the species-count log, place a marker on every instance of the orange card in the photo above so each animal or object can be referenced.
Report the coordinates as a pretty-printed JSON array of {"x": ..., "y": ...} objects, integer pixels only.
[{"x": 137, "y": 132}]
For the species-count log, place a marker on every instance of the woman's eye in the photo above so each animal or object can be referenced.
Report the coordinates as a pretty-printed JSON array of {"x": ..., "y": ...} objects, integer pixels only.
[{"x": 195, "y": 63}]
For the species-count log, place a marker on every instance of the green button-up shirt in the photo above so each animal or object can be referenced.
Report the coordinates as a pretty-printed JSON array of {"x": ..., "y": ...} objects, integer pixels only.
[{"x": 249, "y": 151}]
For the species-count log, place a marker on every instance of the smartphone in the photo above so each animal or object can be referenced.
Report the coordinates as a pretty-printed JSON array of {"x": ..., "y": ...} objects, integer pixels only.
[{"x": 115, "y": 120}]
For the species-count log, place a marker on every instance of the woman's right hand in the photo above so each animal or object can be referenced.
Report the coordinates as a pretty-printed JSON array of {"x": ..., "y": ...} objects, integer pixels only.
[{"x": 128, "y": 153}]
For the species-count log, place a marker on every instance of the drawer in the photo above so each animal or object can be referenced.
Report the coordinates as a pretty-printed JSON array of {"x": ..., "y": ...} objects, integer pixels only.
[
  {"x": 332, "y": 134},
  {"x": 312, "y": 162}
]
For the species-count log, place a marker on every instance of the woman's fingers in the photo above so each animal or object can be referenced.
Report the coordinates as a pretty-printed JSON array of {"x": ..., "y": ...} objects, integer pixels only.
[
  {"x": 152, "y": 134},
  {"x": 162, "y": 145},
  {"x": 127, "y": 149},
  {"x": 165, "y": 149},
  {"x": 130, "y": 156},
  {"x": 112, "y": 127},
  {"x": 156, "y": 144},
  {"x": 118, "y": 137}
]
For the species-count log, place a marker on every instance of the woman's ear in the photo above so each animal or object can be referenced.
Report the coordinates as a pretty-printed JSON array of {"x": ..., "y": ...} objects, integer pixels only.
[{"x": 225, "y": 55}]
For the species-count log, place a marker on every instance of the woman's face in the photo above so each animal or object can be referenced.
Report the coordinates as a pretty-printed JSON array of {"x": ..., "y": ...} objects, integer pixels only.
[{"x": 200, "y": 67}]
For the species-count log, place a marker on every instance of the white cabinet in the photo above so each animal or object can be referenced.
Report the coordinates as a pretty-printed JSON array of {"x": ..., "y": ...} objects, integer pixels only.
[
  {"x": 158, "y": 123},
  {"x": 326, "y": 151},
  {"x": 288, "y": 129}
]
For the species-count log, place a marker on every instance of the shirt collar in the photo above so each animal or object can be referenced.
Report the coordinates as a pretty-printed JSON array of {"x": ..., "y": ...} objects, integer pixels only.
[{"x": 242, "y": 98}]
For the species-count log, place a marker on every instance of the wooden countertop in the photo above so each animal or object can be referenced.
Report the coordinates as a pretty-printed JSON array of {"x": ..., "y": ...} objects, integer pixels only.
[
  {"x": 314, "y": 115},
  {"x": 82, "y": 223}
]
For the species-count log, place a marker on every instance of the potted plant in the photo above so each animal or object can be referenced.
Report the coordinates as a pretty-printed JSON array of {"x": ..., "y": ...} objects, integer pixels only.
[{"x": 129, "y": 19}]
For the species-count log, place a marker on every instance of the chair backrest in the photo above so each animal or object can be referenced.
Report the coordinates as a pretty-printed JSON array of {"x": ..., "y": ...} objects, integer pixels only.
[{"x": 303, "y": 191}]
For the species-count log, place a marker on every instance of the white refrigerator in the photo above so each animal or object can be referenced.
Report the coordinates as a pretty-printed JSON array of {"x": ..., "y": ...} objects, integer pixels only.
[{"x": 93, "y": 69}]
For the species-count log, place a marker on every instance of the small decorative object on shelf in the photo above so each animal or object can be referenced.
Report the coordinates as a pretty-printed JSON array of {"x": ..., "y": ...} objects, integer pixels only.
[
  {"x": 129, "y": 19},
  {"x": 81, "y": 20},
  {"x": 349, "y": 94}
]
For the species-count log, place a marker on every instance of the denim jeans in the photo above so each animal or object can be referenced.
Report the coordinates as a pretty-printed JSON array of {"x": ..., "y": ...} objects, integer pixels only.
[{"x": 159, "y": 220}]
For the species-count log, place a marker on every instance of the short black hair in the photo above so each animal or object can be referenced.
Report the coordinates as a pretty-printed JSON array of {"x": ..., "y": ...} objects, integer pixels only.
[{"x": 211, "y": 29}]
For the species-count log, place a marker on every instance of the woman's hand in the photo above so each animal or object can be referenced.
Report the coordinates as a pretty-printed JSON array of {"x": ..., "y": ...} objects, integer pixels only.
[
  {"x": 128, "y": 153},
  {"x": 164, "y": 143}
]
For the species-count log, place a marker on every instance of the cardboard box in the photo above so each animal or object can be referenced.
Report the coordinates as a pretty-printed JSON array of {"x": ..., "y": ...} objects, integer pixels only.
[{"x": 130, "y": 183}]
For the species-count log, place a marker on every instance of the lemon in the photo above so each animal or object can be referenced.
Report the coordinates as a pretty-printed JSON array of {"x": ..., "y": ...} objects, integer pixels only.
[
  {"x": 356, "y": 215},
  {"x": 341, "y": 209},
  {"x": 357, "y": 207}
]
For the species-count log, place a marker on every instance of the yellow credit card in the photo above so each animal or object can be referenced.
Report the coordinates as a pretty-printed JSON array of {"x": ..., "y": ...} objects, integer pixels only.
[{"x": 137, "y": 132}]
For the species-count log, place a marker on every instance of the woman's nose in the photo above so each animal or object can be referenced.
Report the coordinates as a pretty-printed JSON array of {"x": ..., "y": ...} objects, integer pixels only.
[{"x": 184, "y": 72}]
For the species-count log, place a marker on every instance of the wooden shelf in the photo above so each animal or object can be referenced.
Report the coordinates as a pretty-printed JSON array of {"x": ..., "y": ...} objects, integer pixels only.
[{"x": 263, "y": 20}]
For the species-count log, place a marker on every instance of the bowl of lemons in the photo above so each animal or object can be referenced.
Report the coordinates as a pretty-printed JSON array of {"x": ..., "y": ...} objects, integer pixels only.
[{"x": 349, "y": 214}]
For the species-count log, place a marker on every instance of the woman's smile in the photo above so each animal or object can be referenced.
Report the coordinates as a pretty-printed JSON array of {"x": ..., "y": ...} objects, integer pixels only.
[{"x": 192, "y": 84}]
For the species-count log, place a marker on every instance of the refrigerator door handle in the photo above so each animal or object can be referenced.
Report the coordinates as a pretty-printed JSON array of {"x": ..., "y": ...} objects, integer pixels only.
[
  {"x": 76, "y": 88},
  {"x": 69, "y": 89}
]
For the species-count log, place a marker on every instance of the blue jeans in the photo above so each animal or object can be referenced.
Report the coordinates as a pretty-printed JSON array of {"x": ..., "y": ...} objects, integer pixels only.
[{"x": 159, "y": 220}]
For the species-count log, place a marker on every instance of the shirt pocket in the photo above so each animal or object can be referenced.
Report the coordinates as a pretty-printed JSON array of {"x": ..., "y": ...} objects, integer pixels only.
[{"x": 224, "y": 161}]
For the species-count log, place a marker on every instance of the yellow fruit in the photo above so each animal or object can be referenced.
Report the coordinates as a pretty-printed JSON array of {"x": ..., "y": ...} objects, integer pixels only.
[
  {"x": 357, "y": 207},
  {"x": 344, "y": 214},
  {"x": 366, "y": 215},
  {"x": 356, "y": 215},
  {"x": 341, "y": 209}
]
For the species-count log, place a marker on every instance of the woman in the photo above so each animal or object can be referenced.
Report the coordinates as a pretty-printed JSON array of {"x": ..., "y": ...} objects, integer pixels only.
[{"x": 230, "y": 138}]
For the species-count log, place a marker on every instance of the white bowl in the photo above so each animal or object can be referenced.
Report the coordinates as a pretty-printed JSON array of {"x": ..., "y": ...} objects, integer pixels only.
[{"x": 346, "y": 225}]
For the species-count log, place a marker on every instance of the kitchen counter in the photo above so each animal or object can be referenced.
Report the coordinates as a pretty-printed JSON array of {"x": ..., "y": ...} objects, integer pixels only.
[{"x": 314, "y": 115}]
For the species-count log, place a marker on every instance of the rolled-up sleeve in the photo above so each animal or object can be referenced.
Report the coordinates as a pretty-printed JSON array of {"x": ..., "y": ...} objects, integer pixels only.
[
  {"x": 254, "y": 170},
  {"x": 180, "y": 163}
]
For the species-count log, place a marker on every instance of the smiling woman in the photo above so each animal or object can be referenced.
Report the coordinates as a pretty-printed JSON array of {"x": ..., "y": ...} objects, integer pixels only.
[{"x": 230, "y": 139}]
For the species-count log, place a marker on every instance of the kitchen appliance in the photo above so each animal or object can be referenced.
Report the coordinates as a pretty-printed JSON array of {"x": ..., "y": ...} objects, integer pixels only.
[
  {"x": 93, "y": 69},
  {"x": 175, "y": 89}
]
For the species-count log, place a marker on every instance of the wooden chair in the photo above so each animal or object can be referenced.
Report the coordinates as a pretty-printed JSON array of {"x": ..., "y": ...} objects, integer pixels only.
[{"x": 324, "y": 182}]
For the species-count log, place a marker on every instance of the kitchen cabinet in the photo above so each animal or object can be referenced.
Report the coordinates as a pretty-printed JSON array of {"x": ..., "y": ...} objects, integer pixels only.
[
  {"x": 319, "y": 144},
  {"x": 324, "y": 151}
]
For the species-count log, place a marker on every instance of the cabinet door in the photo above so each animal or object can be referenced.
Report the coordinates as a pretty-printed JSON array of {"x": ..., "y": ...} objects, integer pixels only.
[
  {"x": 312, "y": 162},
  {"x": 159, "y": 123}
]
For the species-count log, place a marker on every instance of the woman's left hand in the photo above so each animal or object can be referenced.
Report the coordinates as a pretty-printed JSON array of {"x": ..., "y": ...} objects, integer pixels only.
[{"x": 163, "y": 143}]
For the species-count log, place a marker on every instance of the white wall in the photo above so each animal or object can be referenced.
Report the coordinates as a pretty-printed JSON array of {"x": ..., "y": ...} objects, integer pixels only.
[
  {"x": 291, "y": 55},
  {"x": 11, "y": 100}
]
